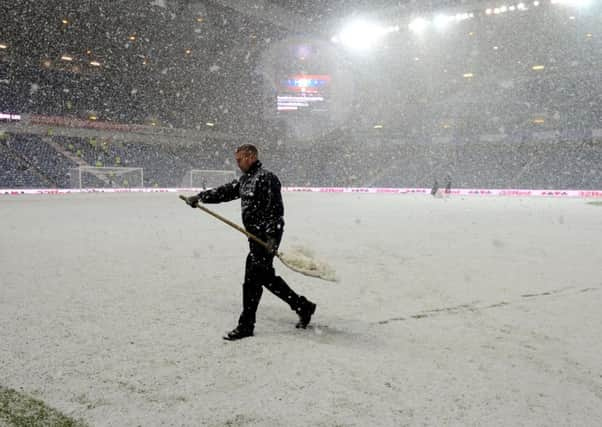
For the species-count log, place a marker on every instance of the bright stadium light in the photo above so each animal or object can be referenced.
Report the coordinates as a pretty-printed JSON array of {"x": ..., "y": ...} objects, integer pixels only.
[
  {"x": 575, "y": 3},
  {"x": 362, "y": 35},
  {"x": 418, "y": 25},
  {"x": 441, "y": 21}
]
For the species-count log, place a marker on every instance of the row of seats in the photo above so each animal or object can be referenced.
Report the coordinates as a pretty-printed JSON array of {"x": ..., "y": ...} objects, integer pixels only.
[{"x": 29, "y": 161}]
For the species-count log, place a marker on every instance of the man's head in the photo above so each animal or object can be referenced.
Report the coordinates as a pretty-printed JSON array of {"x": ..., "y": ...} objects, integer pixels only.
[{"x": 245, "y": 156}]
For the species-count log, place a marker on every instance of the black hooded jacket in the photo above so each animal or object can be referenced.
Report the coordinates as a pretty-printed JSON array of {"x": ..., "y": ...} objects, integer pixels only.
[{"x": 261, "y": 199}]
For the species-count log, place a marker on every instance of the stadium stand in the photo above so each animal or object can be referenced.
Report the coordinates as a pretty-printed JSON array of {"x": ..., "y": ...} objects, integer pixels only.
[{"x": 27, "y": 160}]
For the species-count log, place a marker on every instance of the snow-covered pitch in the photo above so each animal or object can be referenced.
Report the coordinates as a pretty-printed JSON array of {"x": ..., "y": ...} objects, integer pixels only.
[{"x": 457, "y": 311}]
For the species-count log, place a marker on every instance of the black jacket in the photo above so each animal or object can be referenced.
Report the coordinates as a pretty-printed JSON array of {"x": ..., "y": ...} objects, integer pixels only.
[{"x": 261, "y": 200}]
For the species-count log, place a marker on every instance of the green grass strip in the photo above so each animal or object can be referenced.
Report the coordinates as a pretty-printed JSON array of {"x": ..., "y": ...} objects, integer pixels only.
[
  {"x": 595, "y": 203},
  {"x": 20, "y": 410}
]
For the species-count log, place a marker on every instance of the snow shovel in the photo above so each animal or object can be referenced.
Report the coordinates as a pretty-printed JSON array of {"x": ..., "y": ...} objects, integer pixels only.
[{"x": 299, "y": 261}]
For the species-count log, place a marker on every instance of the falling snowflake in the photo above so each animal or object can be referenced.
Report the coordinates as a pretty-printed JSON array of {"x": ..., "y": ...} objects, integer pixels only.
[{"x": 159, "y": 3}]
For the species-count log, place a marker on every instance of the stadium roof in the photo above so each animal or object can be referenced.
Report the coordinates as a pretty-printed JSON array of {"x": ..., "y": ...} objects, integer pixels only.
[{"x": 186, "y": 63}]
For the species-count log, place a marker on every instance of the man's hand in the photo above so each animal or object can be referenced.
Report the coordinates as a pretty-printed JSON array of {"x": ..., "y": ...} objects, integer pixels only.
[
  {"x": 272, "y": 246},
  {"x": 193, "y": 201}
]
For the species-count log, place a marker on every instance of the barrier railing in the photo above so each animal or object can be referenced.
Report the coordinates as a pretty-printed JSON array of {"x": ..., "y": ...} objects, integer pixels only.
[{"x": 366, "y": 190}]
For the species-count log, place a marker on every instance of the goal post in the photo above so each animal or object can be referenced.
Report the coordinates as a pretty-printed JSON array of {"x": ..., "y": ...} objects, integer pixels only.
[
  {"x": 106, "y": 177},
  {"x": 207, "y": 178}
]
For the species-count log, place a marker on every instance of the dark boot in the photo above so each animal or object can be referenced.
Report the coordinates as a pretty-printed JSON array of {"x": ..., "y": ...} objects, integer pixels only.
[
  {"x": 305, "y": 310},
  {"x": 238, "y": 333}
]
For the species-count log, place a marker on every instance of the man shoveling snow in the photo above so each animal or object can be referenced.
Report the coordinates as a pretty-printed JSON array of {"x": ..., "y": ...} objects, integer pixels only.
[{"x": 262, "y": 216}]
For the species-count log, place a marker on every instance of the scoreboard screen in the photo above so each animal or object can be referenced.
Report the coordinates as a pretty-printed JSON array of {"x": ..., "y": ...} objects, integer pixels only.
[{"x": 300, "y": 92}]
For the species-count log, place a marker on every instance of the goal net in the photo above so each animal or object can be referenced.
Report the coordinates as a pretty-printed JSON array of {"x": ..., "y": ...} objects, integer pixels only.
[
  {"x": 205, "y": 178},
  {"x": 106, "y": 177}
]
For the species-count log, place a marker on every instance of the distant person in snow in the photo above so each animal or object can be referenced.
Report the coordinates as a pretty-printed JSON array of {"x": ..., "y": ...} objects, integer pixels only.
[
  {"x": 436, "y": 190},
  {"x": 262, "y": 215}
]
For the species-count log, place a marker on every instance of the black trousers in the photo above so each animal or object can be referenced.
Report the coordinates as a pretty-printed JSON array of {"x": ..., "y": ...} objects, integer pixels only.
[{"x": 259, "y": 272}]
